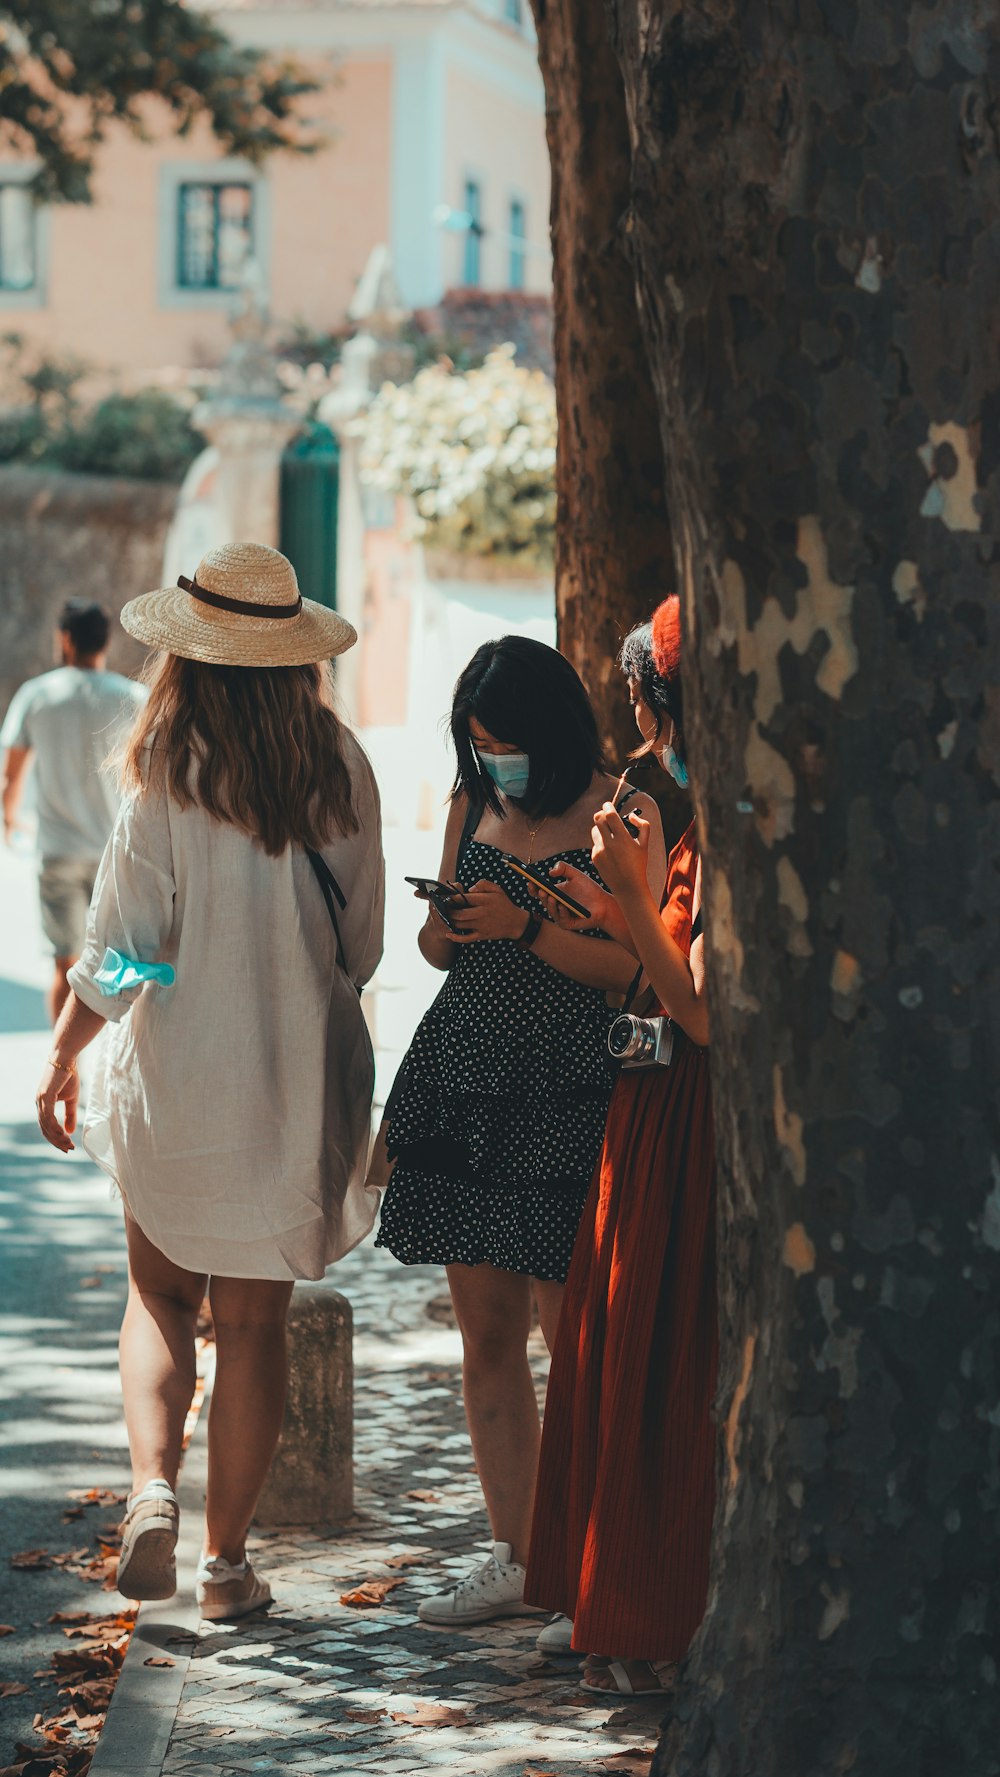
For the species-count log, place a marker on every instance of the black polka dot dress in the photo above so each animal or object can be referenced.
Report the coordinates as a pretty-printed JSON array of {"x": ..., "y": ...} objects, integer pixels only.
[{"x": 498, "y": 1115}]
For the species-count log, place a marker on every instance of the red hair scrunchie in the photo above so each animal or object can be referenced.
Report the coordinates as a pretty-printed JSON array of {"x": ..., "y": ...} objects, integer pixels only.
[{"x": 666, "y": 637}]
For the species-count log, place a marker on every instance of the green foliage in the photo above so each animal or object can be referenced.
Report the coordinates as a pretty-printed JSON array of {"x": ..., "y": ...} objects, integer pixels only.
[
  {"x": 146, "y": 435},
  {"x": 304, "y": 345},
  {"x": 68, "y": 68},
  {"x": 43, "y": 422}
]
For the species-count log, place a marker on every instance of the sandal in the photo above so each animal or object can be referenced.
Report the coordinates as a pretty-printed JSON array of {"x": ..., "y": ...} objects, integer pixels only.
[{"x": 663, "y": 1671}]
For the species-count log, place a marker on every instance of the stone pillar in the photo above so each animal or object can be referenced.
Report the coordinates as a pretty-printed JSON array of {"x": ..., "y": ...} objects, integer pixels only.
[
  {"x": 311, "y": 1480},
  {"x": 375, "y": 354},
  {"x": 249, "y": 423},
  {"x": 250, "y": 445}
]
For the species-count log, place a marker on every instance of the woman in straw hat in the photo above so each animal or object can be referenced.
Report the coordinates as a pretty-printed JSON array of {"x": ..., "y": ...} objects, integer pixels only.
[{"x": 233, "y": 1094}]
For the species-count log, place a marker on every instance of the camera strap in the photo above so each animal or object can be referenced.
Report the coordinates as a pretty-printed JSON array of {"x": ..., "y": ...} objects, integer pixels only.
[{"x": 633, "y": 989}]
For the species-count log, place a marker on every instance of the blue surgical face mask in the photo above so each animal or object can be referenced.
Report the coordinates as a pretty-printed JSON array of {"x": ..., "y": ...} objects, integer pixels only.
[
  {"x": 676, "y": 767},
  {"x": 509, "y": 771}
]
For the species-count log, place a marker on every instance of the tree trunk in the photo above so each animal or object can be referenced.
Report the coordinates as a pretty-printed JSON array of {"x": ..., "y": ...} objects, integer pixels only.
[
  {"x": 816, "y": 230},
  {"x": 614, "y": 561}
]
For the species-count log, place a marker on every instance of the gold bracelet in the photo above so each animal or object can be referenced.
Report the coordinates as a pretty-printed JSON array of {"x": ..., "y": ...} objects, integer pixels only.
[{"x": 64, "y": 1067}]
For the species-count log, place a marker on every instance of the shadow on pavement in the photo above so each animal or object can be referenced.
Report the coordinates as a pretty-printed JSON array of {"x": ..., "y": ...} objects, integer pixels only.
[
  {"x": 62, "y": 1288},
  {"x": 22, "y": 1008}
]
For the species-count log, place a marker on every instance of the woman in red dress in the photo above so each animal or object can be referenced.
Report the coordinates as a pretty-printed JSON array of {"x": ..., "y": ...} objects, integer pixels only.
[{"x": 626, "y": 1485}]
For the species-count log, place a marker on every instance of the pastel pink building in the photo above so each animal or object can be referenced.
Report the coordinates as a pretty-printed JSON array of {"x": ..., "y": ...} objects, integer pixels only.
[{"x": 433, "y": 115}]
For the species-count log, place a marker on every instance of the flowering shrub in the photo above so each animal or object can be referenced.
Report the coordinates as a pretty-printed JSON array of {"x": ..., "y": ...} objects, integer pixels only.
[{"x": 476, "y": 452}]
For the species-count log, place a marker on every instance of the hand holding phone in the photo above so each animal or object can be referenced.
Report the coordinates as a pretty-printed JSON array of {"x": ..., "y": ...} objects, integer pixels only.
[
  {"x": 444, "y": 897},
  {"x": 548, "y": 886}
]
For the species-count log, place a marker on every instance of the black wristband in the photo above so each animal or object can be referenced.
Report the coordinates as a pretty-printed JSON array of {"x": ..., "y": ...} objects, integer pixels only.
[{"x": 531, "y": 931}]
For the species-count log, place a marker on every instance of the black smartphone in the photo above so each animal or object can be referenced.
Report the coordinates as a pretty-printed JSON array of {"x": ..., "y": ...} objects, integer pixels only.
[
  {"x": 441, "y": 896},
  {"x": 428, "y": 885},
  {"x": 626, "y": 819},
  {"x": 540, "y": 880}
]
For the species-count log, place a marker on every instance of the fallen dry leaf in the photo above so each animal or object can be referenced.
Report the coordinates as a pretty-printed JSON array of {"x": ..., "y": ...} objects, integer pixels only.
[
  {"x": 91, "y": 1283},
  {"x": 32, "y": 1558},
  {"x": 422, "y": 1493},
  {"x": 416, "y": 1559},
  {"x": 93, "y": 1694},
  {"x": 7, "y": 1629},
  {"x": 370, "y": 1593},
  {"x": 52, "y": 1760},
  {"x": 70, "y": 1556},
  {"x": 166, "y": 1661},
  {"x": 97, "y": 1496},
  {"x": 10, "y": 1687},
  {"x": 363, "y": 1714},
  {"x": 432, "y": 1715},
  {"x": 634, "y": 1761},
  {"x": 536, "y": 1771}
]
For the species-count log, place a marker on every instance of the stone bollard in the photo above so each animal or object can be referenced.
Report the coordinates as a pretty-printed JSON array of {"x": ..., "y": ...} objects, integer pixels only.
[{"x": 311, "y": 1480}]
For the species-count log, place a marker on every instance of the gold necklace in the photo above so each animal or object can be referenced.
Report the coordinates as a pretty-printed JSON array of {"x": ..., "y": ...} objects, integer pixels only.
[{"x": 532, "y": 833}]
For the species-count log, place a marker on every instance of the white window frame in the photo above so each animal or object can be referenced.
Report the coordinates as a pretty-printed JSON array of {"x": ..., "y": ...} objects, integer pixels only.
[
  {"x": 516, "y": 197},
  {"x": 22, "y": 172},
  {"x": 232, "y": 171}
]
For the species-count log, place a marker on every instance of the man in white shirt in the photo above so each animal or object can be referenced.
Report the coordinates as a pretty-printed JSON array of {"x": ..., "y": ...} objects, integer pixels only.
[{"x": 69, "y": 721}]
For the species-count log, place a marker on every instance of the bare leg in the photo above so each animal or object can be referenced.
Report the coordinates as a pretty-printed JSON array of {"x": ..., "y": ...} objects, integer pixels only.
[
  {"x": 248, "y": 1401},
  {"x": 59, "y": 991},
  {"x": 548, "y": 1300},
  {"x": 157, "y": 1357},
  {"x": 494, "y": 1314}
]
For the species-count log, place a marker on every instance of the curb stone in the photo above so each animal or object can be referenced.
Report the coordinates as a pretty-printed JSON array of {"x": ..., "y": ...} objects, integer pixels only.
[{"x": 144, "y": 1704}]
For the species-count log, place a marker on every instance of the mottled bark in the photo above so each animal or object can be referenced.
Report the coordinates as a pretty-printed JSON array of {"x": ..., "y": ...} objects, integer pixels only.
[
  {"x": 614, "y": 561},
  {"x": 816, "y": 230}
]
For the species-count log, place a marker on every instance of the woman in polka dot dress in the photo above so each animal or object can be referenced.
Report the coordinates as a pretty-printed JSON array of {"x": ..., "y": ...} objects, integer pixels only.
[{"x": 498, "y": 1115}]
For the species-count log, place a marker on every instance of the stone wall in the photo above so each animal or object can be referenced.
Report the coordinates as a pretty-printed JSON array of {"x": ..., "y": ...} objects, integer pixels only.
[{"x": 73, "y": 536}]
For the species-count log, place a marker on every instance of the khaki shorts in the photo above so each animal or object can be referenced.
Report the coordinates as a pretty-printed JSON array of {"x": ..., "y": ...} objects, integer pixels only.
[{"x": 65, "y": 886}]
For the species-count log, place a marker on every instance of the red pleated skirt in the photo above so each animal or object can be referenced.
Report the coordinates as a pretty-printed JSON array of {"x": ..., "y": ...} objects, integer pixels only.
[{"x": 626, "y": 1487}]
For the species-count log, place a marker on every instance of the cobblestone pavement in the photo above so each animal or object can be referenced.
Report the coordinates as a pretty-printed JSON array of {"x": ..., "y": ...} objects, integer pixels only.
[{"x": 316, "y": 1687}]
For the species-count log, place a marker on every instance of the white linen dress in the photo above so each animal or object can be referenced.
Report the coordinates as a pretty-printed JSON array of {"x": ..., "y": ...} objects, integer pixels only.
[{"x": 233, "y": 1107}]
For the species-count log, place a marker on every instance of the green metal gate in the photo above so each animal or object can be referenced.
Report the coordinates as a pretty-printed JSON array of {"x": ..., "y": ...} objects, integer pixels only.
[{"x": 310, "y": 488}]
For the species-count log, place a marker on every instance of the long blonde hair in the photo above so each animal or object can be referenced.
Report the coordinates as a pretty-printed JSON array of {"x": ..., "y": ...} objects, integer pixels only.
[{"x": 258, "y": 747}]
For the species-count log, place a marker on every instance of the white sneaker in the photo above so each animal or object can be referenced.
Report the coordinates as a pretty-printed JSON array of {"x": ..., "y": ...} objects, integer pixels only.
[
  {"x": 495, "y": 1590},
  {"x": 556, "y": 1638},
  {"x": 225, "y": 1590},
  {"x": 146, "y": 1566}
]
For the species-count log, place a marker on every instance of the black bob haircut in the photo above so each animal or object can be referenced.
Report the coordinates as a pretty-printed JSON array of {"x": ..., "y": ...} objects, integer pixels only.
[
  {"x": 662, "y": 696},
  {"x": 529, "y": 696},
  {"x": 88, "y": 626}
]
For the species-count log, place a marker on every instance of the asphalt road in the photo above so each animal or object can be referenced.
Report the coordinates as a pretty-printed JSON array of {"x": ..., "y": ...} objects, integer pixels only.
[{"x": 62, "y": 1283}]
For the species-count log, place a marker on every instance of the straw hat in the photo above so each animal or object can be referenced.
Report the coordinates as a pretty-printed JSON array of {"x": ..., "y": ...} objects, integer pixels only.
[{"x": 243, "y": 608}]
